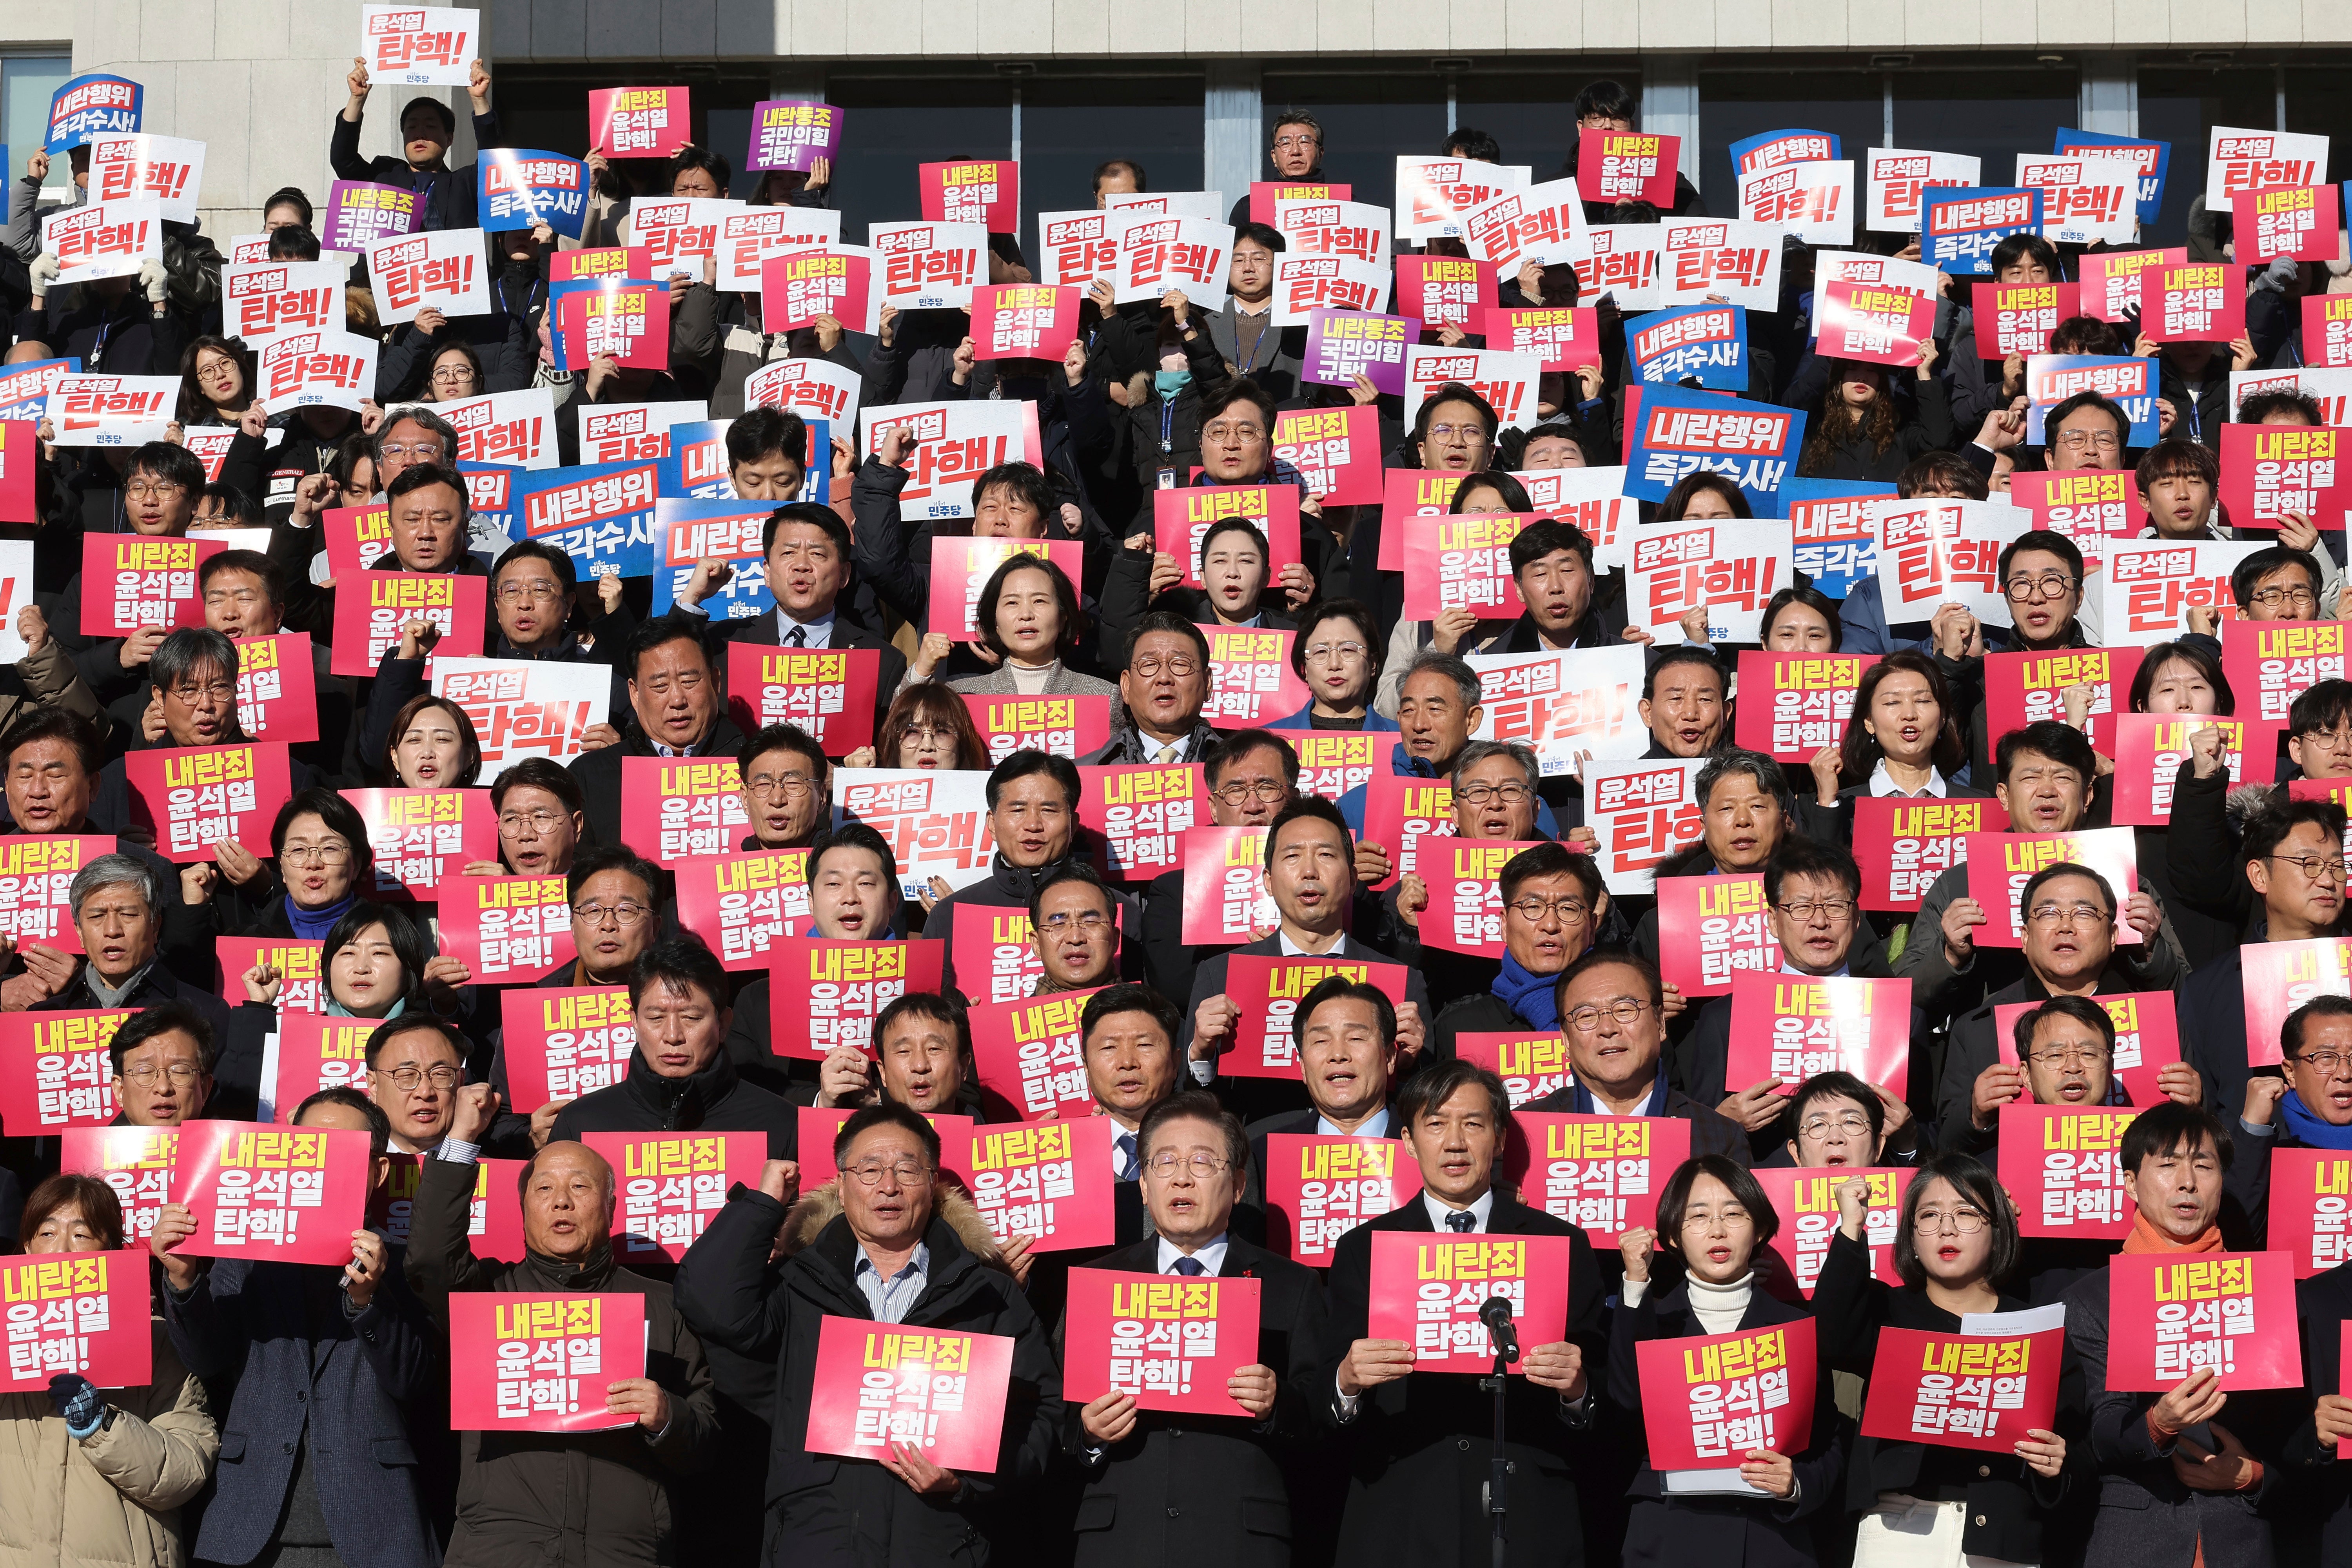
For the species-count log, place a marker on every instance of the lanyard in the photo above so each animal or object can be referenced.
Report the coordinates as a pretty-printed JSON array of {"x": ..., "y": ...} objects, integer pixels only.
[
  {"x": 1167, "y": 425},
  {"x": 1249, "y": 360}
]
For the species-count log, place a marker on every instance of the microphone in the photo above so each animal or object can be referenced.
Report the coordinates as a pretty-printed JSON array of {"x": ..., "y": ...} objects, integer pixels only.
[{"x": 1497, "y": 1315}]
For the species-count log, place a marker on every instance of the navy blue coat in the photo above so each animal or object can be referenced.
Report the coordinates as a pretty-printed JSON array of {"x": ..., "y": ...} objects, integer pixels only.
[{"x": 342, "y": 1391}]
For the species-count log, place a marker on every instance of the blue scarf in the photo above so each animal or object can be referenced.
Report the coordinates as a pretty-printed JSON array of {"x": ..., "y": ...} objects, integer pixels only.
[
  {"x": 2309, "y": 1129},
  {"x": 337, "y": 1010},
  {"x": 312, "y": 925},
  {"x": 1535, "y": 997}
]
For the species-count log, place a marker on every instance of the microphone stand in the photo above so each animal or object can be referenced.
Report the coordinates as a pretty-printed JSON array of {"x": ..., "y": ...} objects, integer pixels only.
[{"x": 1505, "y": 1342}]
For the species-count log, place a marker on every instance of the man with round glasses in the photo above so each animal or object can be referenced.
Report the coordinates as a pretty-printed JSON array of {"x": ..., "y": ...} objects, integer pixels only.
[
  {"x": 1162, "y": 690},
  {"x": 1074, "y": 931},
  {"x": 786, "y": 789},
  {"x": 162, "y": 1061},
  {"x": 416, "y": 1065},
  {"x": 1611, "y": 1009},
  {"x": 2041, "y": 576},
  {"x": 1553, "y": 904},
  {"x": 2307, "y": 1106},
  {"x": 1494, "y": 789}
]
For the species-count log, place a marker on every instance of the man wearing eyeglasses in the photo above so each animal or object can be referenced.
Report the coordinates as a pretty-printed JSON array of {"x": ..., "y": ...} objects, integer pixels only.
[
  {"x": 160, "y": 484},
  {"x": 1161, "y": 690},
  {"x": 1553, "y": 904},
  {"x": 1074, "y": 931},
  {"x": 2291, "y": 877},
  {"x": 163, "y": 1059},
  {"x": 786, "y": 788},
  {"x": 1494, "y": 789},
  {"x": 2307, "y": 1106},
  {"x": 1221, "y": 1488},
  {"x": 1294, "y": 156},
  {"x": 2041, "y": 575},
  {"x": 1613, "y": 1019},
  {"x": 415, "y": 1065}
]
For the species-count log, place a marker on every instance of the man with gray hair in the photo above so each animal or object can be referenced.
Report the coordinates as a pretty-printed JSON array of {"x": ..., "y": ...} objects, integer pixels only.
[
  {"x": 118, "y": 909},
  {"x": 1437, "y": 708},
  {"x": 191, "y": 702}
]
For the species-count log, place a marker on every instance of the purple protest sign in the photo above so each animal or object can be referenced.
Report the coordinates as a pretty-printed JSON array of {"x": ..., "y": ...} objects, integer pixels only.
[
  {"x": 1344, "y": 344},
  {"x": 791, "y": 133},
  {"x": 359, "y": 213}
]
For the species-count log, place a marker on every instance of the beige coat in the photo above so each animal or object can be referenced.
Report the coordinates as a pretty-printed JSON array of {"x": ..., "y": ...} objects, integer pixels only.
[{"x": 112, "y": 1500}]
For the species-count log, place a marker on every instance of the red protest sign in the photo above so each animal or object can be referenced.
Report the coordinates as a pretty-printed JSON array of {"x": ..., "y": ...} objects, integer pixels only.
[
  {"x": 2199, "y": 303},
  {"x": 2061, "y": 1165},
  {"x": 277, "y": 1193},
  {"x": 2270, "y": 471},
  {"x": 1791, "y": 1026},
  {"x": 878, "y": 1385},
  {"x": 1181, "y": 520},
  {"x": 2018, "y": 318},
  {"x": 986, "y": 191},
  {"x": 1333, "y": 762},
  {"x": 1000, "y": 956},
  {"x": 193, "y": 797},
  {"x": 1600, "y": 1174},
  {"x": 818, "y": 1125},
  {"x": 1614, "y": 166},
  {"x": 1806, "y": 1200},
  {"x": 668, "y": 1185},
  {"x": 2327, "y": 330},
  {"x": 1903, "y": 846},
  {"x": 521, "y": 1363},
  {"x": 1399, "y": 810},
  {"x": 1066, "y": 726},
  {"x": 639, "y": 122},
  {"x": 624, "y": 320},
  {"x": 422, "y": 835},
  {"x": 1531, "y": 1065},
  {"x": 1426, "y": 1291},
  {"x": 2310, "y": 1216},
  {"x": 371, "y": 608},
  {"x": 81, "y": 1314},
  {"x": 1337, "y": 451},
  {"x": 1963, "y": 1391},
  {"x": 2150, "y": 747},
  {"x": 1708, "y": 1399},
  {"x": 2281, "y": 976},
  {"x": 1269, "y": 991},
  {"x": 2295, "y": 223},
  {"x": 1049, "y": 1180},
  {"x": 1567, "y": 337},
  {"x": 799, "y": 285},
  {"x": 604, "y": 261},
  {"x": 1465, "y": 897},
  {"x": 1407, "y": 494},
  {"x": 1812, "y": 701},
  {"x": 54, "y": 1072},
  {"x": 961, "y": 566},
  {"x": 744, "y": 903},
  {"x": 1226, "y": 901},
  {"x": 507, "y": 930},
  {"x": 1251, "y": 683},
  {"x": 278, "y": 688},
  {"x": 1028, "y": 1055},
  {"x": 136, "y": 1161},
  {"x": 1319, "y": 1187},
  {"x": 2148, "y": 1038},
  {"x": 1462, "y": 562},
  {"x": 1168, "y": 1343},
  {"x": 1140, "y": 812},
  {"x": 1264, "y": 193},
  {"x": 689, "y": 806},
  {"x": 2232, "y": 1312},
  {"x": 823, "y": 994},
  {"x": 2270, "y": 663},
  {"x": 1443, "y": 291},
  {"x": 1710, "y": 928},
  {"x": 356, "y": 536},
  {"x": 563, "y": 1043},
  {"x": 828, "y": 693},
  {"x": 295, "y": 963},
  {"x": 2023, "y": 689},
  {"x": 1874, "y": 323},
  {"x": 36, "y": 885},
  {"x": 2085, "y": 505},
  {"x": 133, "y": 580},
  {"x": 2110, "y": 286},
  {"x": 1023, "y": 320},
  {"x": 315, "y": 1052},
  {"x": 2001, "y": 864}
]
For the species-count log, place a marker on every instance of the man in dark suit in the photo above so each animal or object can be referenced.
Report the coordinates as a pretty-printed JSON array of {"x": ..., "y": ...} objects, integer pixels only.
[
  {"x": 446, "y": 197},
  {"x": 677, "y": 697},
  {"x": 1310, "y": 873},
  {"x": 1553, "y": 905},
  {"x": 1162, "y": 1487},
  {"x": 1619, "y": 1061},
  {"x": 1347, "y": 1037},
  {"x": 2174, "y": 1482},
  {"x": 1419, "y": 1444}
]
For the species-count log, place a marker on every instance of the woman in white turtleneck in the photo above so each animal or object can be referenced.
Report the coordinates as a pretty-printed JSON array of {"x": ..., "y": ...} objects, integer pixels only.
[
  {"x": 1713, "y": 1218},
  {"x": 1027, "y": 616}
]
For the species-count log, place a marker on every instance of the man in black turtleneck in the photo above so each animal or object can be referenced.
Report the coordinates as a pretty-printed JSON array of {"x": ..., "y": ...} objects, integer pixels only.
[{"x": 1032, "y": 816}]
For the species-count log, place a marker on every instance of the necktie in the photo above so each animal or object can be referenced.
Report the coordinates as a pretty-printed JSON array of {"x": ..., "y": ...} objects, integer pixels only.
[
  {"x": 798, "y": 637},
  {"x": 1464, "y": 1221},
  {"x": 1167, "y": 754},
  {"x": 1131, "y": 1164},
  {"x": 1188, "y": 1267}
]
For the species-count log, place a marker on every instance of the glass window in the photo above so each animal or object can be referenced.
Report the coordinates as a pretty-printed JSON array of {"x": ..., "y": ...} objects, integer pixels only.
[
  {"x": 1070, "y": 127},
  {"x": 1736, "y": 105},
  {"x": 1533, "y": 116},
  {"x": 2181, "y": 105},
  {"x": 28, "y": 82},
  {"x": 1367, "y": 121},
  {"x": 893, "y": 125},
  {"x": 1993, "y": 114}
]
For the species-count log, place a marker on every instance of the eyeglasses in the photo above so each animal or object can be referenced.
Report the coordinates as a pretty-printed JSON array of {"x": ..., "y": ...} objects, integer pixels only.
[
  {"x": 152, "y": 491},
  {"x": 2270, "y": 598},
  {"x": 1830, "y": 909},
  {"x": 1164, "y": 1163},
  {"x": 220, "y": 690},
  {"x": 1852, "y": 1123},
  {"x": 537, "y": 821},
  {"x": 2066, "y": 915},
  {"x": 2324, "y": 1063},
  {"x": 1223, "y": 432},
  {"x": 1571, "y": 910},
  {"x": 315, "y": 853},
  {"x": 423, "y": 451},
  {"x": 870, "y": 1172},
  {"x": 1471, "y": 434},
  {"x": 2069, "y": 1055},
  {"x": 2050, "y": 586},
  {"x": 522, "y": 592},
  {"x": 1625, "y": 1010},
  {"x": 1178, "y": 665},
  {"x": 1489, "y": 795},
  {"x": 2083, "y": 441},
  {"x": 1240, "y": 790},
  {"x": 931, "y": 735},
  {"x": 790, "y": 786},
  {"x": 2336, "y": 741},
  {"x": 1334, "y": 652},
  {"x": 1967, "y": 1221},
  {"x": 2314, "y": 866},
  {"x": 406, "y": 1078},
  {"x": 147, "y": 1072},
  {"x": 618, "y": 914},
  {"x": 1299, "y": 140},
  {"x": 1087, "y": 920},
  {"x": 1731, "y": 1216},
  {"x": 454, "y": 376}
]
